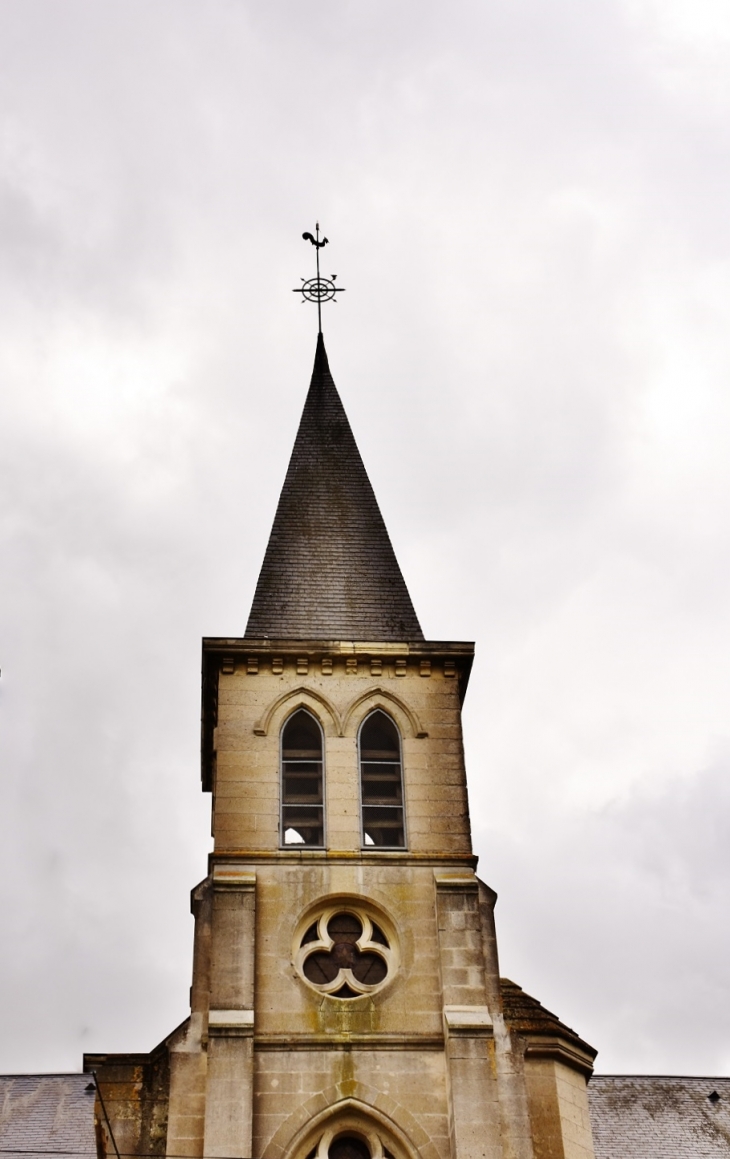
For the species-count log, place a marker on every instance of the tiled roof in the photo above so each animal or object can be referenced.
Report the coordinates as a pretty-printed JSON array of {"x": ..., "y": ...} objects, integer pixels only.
[
  {"x": 47, "y": 1114},
  {"x": 329, "y": 571},
  {"x": 526, "y": 1015},
  {"x": 649, "y": 1117}
]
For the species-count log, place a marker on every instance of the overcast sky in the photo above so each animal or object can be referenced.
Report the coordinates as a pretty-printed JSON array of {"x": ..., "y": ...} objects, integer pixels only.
[{"x": 528, "y": 206}]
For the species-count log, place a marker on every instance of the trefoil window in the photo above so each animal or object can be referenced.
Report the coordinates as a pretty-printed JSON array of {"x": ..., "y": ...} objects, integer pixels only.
[{"x": 345, "y": 954}]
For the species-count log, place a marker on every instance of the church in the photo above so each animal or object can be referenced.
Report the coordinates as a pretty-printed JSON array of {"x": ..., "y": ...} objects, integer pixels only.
[{"x": 346, "y": 997}]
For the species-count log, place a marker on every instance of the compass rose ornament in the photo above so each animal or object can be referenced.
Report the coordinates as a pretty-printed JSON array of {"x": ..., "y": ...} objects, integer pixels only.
[{"x": 318, "y": 289}]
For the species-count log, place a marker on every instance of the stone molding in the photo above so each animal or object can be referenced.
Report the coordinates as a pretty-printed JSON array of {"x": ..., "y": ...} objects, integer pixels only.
[
  {"x": 233, "y": 877},
  {"x": 241, "y": 647},
  {"x": 467, "y": 1020},
  {"x": 383, "y": 694},
  {"x": 381, "y": 697},
  {"x": 230, "y": 1023},
  {"x": 558, "y": 1049},
  {"x": 342, "y": 1103},
  {"x": 349, "y": 1041},
  {"x": 261, "y": 728},
  {"x": 369, "y": 854},
  {"x": 455, "y": 879}
]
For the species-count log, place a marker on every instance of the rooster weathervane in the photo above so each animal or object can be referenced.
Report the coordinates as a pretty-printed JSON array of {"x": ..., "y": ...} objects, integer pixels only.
[{"x": 318, "y": 289}]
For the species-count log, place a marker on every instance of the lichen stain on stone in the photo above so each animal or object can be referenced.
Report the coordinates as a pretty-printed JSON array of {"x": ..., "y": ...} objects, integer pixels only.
[{"x": 342, "y": 1017}]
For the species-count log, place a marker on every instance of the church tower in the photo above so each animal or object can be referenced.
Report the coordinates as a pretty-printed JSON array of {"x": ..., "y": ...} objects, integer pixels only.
[{"x": 346, "y": 1000}]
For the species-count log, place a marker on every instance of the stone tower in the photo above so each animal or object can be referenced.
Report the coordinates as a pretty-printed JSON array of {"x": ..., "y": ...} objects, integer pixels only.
[{"x": 346, "y": 1000}]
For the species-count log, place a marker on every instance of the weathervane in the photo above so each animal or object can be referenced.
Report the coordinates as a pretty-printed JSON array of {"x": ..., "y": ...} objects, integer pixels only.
[{"x": 318, "y": 289}]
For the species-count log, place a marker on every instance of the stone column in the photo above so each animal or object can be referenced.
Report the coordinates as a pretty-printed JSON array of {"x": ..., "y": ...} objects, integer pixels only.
[
  {"x": 473, "y": 1098},
  {"x": 229, "y": 1090},
  {"x": 188, "y": 1059},
  {"x": 513, "y": 1103}
]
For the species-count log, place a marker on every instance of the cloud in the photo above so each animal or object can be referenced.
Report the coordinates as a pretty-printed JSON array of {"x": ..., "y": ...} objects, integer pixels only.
[
  {"x": 527, "y": 208},
  {"x": 626, "y": 928}
]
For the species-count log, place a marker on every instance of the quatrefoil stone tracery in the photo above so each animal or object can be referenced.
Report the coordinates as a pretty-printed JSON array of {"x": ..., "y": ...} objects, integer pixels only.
[{"x": 345, "y": 954}]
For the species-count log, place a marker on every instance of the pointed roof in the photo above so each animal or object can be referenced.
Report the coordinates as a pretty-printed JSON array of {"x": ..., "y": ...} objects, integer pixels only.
[{"x": 329, "y": 571}]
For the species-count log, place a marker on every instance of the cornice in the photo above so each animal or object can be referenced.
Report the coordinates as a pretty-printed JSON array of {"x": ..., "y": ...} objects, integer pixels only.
[
  {"x": 242, "y": 645},
  {"x": 354, "y": 857},
  {"x": 559, "y": 1049}
]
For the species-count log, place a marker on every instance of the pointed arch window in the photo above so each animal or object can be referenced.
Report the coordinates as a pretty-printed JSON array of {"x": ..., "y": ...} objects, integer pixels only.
[
  {"x": 302, "y": 787},
  {"x": 381, "y": 783},
  {"x": 350, "y": 1139}
]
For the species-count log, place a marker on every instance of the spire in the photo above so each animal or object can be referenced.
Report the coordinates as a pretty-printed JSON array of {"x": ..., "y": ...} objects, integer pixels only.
[{"x": 329, "y": 571}]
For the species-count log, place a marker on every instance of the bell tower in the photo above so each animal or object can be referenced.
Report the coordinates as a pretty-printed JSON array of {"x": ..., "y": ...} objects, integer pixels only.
[{"x": 346, "y": 1000}]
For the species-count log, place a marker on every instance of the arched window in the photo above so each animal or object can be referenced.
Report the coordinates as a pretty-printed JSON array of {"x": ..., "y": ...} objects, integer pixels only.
[
  {"x": 355, "y": 1141},
  {"x": 302, "y": 800},
  {"x": 381, "y": 783},
  {"x": 348, "y": 1147}
]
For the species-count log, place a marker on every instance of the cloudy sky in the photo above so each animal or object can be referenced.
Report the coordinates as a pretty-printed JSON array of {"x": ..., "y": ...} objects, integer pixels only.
[{"x": 528, "y": 206}]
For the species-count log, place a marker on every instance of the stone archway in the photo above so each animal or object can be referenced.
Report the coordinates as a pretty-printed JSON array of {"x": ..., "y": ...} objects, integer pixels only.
[{"x": 386, "y": 1128}]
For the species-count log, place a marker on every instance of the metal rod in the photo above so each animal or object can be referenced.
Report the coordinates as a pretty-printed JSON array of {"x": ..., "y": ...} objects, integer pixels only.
[{"x": 319, "y": 299}]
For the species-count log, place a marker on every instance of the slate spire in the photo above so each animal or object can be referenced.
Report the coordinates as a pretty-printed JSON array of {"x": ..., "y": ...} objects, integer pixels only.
[{"x": 329, "y": 571}]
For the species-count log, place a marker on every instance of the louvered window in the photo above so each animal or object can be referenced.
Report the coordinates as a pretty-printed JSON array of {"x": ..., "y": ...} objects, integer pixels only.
[
  {"x": 381, "y": 783},
  {"x": 302, "y": 799}
]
